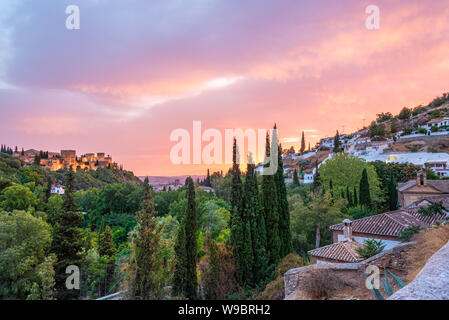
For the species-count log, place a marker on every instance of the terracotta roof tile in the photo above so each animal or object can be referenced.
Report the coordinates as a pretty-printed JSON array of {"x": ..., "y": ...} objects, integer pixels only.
[
  {"x": 344, "y": 251},
  {"x": 390, "y": 223}
]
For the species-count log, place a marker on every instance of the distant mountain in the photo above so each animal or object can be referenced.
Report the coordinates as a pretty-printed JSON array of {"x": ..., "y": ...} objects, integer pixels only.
[{"x": 166, "y": 180}]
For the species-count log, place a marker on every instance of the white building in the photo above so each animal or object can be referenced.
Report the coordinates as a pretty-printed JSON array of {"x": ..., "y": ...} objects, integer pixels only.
[{"x": 57, "y": 189}]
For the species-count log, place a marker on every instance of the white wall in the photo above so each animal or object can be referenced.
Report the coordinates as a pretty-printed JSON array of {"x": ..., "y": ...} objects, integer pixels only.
[{"x": 389, "y": 243}]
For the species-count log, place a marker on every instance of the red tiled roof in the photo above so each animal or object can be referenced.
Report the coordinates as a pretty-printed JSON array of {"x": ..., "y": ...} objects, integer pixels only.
[
  {"x": 390, "y": 223},
  {"x": 345, "y": 251}
]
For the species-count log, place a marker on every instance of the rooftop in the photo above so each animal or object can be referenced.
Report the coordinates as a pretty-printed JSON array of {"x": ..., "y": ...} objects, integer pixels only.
[{"x": 345, "y": 251}]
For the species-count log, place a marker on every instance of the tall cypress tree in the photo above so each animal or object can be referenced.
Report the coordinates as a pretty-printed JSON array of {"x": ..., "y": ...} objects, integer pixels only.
[
  {"x": 253, "y": 212},
  {"x": 207, "y": 181},
  {"x": 269, "y": 201},
  {"x": 146, "y": 262},
  {"x": 365, "y": 196},
  {"x": 66, "y": 242},
  {"x": 283, "y": 212},
  {"x": 240, "y": 225},
  {"x": 392, "y": 194},
  {"x": 355, "y": 200},
  {"x": 48, "y": 188},
  {"x": 191, "y": 229},
  {"x": 337, "y": 144}
]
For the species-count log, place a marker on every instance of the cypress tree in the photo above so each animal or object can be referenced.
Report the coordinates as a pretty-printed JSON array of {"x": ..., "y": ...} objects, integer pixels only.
[
  {"x": 146, "y": 262},
  {"x": 191, "y": 228},
  {"x": 253, "y": 212},
  {"x": 337, "y": 145},
  {"x": 106, "y": 249},
  {"x": 105, "y": 244},
  {"x": 392, "y": 194},
  {"x": 207, "y": 182},
  {"x": 48, "y": 188},
  {"x": 240, "y": 224},
  {"x": 316, "y": 178},
  {"x": 66, "y": 242},
  {"x": 303, "y": 143},
  {"x": 269, "y": 201},
  {"x": 365, "y": 197},
  {"x": 283, "y": 212},
  {"x": 180, "y": 272},
  {"x": 69, "y": 188},
  {"x": 295, "y": 178},
  {"x": 349, "y": 197},
  {"x": 355, "y": 201},
  {"x": 331, "y": 188}
]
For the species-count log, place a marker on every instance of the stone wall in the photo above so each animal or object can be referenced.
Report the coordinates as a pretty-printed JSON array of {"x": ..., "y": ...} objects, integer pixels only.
[
  {"x": 432, "y": 283},
  {"x": 352, "y": 274}
]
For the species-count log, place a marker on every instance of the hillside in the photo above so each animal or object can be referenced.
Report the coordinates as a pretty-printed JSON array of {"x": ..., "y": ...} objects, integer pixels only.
[{"x": 12, "y": 170}]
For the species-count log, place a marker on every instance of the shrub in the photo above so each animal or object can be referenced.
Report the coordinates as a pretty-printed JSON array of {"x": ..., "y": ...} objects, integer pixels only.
[
  {"x": 405, "y": 113},
  {"x": 407, "y": 234},
  {"x": 371, "y": 248},
  {"x": 275, "y": 289},
  {"x": 422, "y": 130},
  {"x": 322, "y": 284}
]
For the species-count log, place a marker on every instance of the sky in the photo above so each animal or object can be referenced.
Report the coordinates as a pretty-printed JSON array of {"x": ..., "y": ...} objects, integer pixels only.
[{"x": 138, "y": 69}]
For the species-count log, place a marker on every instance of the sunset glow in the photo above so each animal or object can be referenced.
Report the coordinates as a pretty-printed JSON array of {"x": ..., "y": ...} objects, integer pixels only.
[{"x": 134, "y": 73}]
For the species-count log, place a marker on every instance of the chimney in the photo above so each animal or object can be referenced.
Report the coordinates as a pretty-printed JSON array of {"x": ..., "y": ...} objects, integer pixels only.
[{"x": 347, "y": 230}]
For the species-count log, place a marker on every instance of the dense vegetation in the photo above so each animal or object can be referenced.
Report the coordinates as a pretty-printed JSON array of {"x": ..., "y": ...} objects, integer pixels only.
[{"x": 232, "y": 243}]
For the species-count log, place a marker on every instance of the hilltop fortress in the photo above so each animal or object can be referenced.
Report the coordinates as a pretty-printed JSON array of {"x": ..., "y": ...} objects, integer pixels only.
[{"x": 65, "y": 159}]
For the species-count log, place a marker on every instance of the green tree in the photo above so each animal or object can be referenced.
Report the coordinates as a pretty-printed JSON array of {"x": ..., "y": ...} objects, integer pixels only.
[
  {"x": 310, "y": 221},
  {"x": 295, "y": 178},
  {"x": 105, "y": 244},
  {"x": 191, "y": 228},
  {"x": 240, "y": 225},
  {"x": 346, "y": 170},
  {"x": 283, "y": 211},
  {"x": 316, "y": 177},
  {"x": 337, "y": 143},
  {"x": 392, "y": 194},
  {"x": 376, "y": 130},
  {"x": 254, "y": 215},
  {"x": 26, "y": 271},
  {"x": 270, "y": 207},
  {"x": 393, "y": 126},
  {"x": 180, "y": 269},
  {"x": 433, "y": 208},
  {"x": 405, "y": 113},
  {"x": 146, "y": 265},
  {"x": 365, "y": 195},
  {"x": 17, "y": 197},
  {"x": 69, "y": 189},
  {"x": 67, "y": 244}
]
